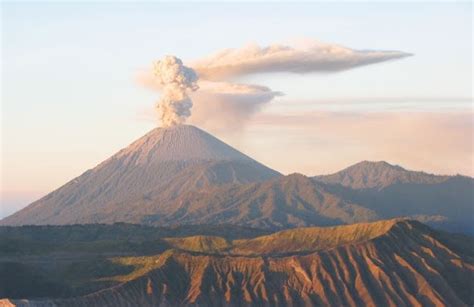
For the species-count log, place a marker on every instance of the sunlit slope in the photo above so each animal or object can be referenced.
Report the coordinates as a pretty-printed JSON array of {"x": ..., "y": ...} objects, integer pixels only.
[
  {"x": 205, "y": 244},
  {"x": 311, "y": 238}
]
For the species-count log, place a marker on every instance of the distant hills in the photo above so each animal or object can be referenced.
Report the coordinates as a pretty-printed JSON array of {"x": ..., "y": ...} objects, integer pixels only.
[
  {"x": 183, "y": 175},
  {"x": 378, "y": 175},
  {"x": 282, "y": 202},
  {"x": 391, "y": 191},
  {"x": 385, "y": 263}
]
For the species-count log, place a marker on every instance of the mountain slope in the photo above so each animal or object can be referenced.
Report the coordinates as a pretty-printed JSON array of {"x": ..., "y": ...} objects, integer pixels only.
[
  {"x": 282, "y": 202},
  {"x": 388, "y": 263},
  {"x": 391, "y": 191},
  {"x": 183, "y": 154},
  {"x": 377, "y": 175}
]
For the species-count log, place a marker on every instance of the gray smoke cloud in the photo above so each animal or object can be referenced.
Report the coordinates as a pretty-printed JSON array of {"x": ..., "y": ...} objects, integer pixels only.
[
  {"x": 223, "y": 103},
  {"x": 174, "y": 80},
  {"x": 225, "y": 106},
  {"x": 313, "y": 57}
]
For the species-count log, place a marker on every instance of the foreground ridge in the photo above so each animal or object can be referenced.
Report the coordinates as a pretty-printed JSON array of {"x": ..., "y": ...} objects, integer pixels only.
[{"x": 387, "y": 263}]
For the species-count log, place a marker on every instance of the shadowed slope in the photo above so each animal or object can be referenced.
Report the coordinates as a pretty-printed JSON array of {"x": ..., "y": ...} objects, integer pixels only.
[
  {"x": 391, "y": 191},
  {"x": 282, "y": 202}
]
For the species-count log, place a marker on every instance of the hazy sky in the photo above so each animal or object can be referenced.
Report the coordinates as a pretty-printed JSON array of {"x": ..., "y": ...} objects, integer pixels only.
[{"x": 70, "y": 98}]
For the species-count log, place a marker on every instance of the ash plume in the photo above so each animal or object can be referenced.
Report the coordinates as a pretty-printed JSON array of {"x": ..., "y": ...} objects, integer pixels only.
[
  {"x": 223, "y": 104},
  {"x": 174, "y": 80},
  {"x": 312, "y": 57},
  {"x": 226, "y": 106}
]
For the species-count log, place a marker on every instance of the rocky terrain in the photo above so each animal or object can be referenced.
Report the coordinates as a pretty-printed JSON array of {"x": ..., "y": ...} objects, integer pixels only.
[{"x": 385, "y": 263}]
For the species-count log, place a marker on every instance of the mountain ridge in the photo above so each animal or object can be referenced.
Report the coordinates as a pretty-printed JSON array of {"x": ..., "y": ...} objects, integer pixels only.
[
  {"x": 377, "y": 175},
  {"x": 183, "y": 175},
  {"x": 282, "y": 202},
  {"x": 390, "y": 263},
  {"x": 441, "y": 201}
]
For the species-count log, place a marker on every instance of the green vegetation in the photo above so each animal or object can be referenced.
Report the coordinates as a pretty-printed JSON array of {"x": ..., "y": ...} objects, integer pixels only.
[
  {"x": 141, "y": 265},
  {"x": 204, "y": 244},
  {"x": 310, "y": 238}
]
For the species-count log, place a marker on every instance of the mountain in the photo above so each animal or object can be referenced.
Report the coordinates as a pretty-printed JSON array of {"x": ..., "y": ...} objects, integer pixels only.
[
  {"x": 217, "y": 185},
  {"x": 164, "y": 162},
  {"x": 299, "y": 201},
  {"x": 183, "y": 176},
  {"x": 391, "y": 191},
  {"x": 282, "y": 202},
  {"x": 378, "y": 175},
  {"x": 385, "y": 263}
]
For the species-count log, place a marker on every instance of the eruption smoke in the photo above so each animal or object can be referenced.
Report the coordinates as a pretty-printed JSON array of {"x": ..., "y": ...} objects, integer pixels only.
[
  {"x": 225, "y": 104},
  {"x": 174, "y": 79},
  {"x": 312, "y": 57}
]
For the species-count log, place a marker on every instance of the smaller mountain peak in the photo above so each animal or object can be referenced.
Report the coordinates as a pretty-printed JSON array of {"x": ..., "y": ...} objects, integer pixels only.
[
  {"x": 378, "y": 175},
  {"x": 294, "y": 179},
  {"x": 296, "y": 176},
  {"x": 376, "y": 164}
]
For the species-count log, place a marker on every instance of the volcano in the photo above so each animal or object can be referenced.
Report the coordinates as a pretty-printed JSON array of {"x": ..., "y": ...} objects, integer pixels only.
[
  {"x": 143, "y": 177},
  {"x": 182, "y": 175}
]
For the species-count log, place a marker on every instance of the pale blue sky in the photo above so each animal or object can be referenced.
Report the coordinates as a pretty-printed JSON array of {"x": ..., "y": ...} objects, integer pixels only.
[{"x": 69, "y": 99}]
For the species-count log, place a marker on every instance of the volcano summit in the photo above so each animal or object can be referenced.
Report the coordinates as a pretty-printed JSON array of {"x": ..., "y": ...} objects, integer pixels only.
[{"x": 142, "y": 178}]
